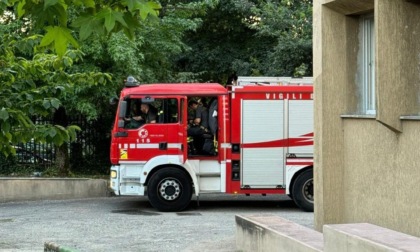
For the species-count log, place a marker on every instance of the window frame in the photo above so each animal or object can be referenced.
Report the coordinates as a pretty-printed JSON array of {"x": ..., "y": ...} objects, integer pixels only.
[
  {"x": 367, "y": 71},
  {"x": 163, "y": 107}
]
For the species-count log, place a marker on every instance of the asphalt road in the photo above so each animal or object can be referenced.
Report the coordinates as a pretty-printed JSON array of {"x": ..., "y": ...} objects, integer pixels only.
[{"x": 131, "y": 224}]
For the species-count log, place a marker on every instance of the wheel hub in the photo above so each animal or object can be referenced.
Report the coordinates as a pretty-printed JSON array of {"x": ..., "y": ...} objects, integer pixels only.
[
  {"x": 308, "y": 190},
  {"x": 169, "y": 189}
]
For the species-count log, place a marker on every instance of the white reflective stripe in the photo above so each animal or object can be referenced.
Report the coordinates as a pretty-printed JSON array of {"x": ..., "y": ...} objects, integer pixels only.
[
  {"x": 147, "y": 146},
  {"x": 150, "y": 146},
  {"x": 141, "y": 162},
  {"x": 225, "y": 145},
  {"x": 175, "y": 145},
  {"x": 297, "y": 160}
]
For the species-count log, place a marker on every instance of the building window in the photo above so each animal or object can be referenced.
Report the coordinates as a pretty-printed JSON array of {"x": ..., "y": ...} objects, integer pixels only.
[{"x": 366, "y": 69}]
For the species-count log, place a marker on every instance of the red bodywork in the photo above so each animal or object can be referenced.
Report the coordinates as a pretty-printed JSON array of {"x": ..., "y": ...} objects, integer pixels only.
[{"x": 170, "y": 133}]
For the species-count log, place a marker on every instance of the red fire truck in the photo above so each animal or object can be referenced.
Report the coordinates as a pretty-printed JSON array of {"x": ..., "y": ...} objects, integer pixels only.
[{"x": 259, "y": 141}]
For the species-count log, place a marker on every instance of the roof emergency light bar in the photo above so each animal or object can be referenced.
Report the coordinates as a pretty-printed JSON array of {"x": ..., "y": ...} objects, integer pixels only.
[
  {"x": 131, "y": 82},
  {"x": 268, "y": 81}
]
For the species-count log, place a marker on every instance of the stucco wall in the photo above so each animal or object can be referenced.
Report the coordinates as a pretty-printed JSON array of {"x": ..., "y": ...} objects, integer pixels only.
[
  {"x": 398, "y": 61},
  {"x": 328, "y": 135},
  {"x": 381, "y": 175},
  {"x": 335, "y": 64},
  {"x": 366, "y": 170}
]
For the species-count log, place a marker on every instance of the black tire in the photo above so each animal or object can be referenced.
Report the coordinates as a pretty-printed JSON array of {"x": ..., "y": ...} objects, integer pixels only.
[
  {"x": 169, "y": 190},
  {"x": 303, "y": 191}
]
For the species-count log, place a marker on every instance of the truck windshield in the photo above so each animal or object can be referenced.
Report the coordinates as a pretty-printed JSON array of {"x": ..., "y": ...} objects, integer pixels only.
[{"x": 160, "y": 110}]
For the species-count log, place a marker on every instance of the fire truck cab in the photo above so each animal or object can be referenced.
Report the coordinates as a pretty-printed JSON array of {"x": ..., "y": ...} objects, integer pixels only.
[{"x": 259, "y": 140}]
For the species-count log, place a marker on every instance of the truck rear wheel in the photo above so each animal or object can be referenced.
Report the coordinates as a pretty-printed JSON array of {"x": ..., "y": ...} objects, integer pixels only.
[
  {"x": 303, "y": 191},
  {"x": 169, "y": 190}
]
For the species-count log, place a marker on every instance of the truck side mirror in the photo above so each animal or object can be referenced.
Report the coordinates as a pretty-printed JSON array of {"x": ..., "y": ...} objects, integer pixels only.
[
  {"x": 121, "y": 114},
  {"x": 113, "y": 100}
]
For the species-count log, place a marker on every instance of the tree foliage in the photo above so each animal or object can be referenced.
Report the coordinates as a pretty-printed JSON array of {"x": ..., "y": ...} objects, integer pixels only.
[
  {"x": 251, "y": 37},
  {"x": 101, "y": 17},
  {"x": 289, "y": 22},
  {"x": 24, "y": 94},
  {"x": 35, "y": 82},
  {"x": 150, "y": 56}
]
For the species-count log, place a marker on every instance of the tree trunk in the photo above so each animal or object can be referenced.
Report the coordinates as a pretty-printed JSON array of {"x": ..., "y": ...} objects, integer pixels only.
[
  {"x": 62, "y": 157},
  {"x": 62, "y": 160}
]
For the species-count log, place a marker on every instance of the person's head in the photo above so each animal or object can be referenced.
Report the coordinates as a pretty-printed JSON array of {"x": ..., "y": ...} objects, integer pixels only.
[
  {"x": 144, "y": 107},
  {"x": 193, "y": 104}
]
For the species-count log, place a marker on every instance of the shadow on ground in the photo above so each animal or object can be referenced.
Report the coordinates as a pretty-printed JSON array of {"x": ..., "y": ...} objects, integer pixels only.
[{"x": 141, "y": 206}]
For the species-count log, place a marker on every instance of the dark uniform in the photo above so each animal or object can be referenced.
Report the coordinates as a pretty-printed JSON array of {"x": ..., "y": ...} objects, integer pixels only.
[
  {"x": 151, "y": 114},
  {"x": 201, "y": 133},
  {"x": 203, "y": 114},
  {"x": 198, "y": 130}
]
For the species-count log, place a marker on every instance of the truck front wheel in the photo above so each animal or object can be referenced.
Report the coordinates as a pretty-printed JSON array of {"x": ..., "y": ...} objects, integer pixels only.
[
  {"x": 169, "y": 190},
  {"x": 303, "y": 191}
]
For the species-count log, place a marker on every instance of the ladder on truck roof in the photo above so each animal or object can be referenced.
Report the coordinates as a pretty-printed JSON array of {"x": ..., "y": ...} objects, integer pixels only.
[{"x": 273, "y": 81}]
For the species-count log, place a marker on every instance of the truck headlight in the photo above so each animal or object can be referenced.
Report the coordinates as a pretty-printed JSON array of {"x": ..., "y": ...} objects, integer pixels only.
[{"x": 113, "y": 174}]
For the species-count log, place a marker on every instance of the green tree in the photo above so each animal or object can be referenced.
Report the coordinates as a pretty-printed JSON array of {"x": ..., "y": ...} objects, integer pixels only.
[
  {"x": 100, "y": 17},
  {"x": 35, "y": 84},
  {"x": 251, "y": 37},
  {"x": 222, "y": 44},
  {"x": 149, "y": 57},
  {"x": 29, "y": 88},
  {"x": 289, "y": 23}
]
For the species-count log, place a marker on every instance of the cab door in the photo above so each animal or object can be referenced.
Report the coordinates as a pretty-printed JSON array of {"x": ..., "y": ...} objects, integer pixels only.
[
  {"x": 175, "y": 120},
  {"x": 165, "y": 136}
]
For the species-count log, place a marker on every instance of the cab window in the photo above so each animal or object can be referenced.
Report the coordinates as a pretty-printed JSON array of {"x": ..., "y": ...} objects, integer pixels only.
[{"x": 150, "y": 110}]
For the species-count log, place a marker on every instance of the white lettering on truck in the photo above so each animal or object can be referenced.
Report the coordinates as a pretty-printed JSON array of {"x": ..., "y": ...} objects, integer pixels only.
[{"x": 282, "y": 96}]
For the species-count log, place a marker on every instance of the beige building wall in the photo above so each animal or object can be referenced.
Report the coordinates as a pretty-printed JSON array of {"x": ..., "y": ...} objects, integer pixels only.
[{"x": 367, "y": 166}]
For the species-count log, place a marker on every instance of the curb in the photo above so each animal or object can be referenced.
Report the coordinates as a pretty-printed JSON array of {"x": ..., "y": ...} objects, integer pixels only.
[{"x": 31, "y": 189}]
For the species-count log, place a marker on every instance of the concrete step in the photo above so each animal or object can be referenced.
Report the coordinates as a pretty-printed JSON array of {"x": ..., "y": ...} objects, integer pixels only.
[
  {"x": 273, "y": 233},
  {"x": 357, "y": 237}
]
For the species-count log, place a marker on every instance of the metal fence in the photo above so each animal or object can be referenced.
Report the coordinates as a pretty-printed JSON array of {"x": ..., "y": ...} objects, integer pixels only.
[{"x": 89, "y": 154}]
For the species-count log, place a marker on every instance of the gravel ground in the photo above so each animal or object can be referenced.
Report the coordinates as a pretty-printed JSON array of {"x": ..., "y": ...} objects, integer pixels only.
[{"x": 131, "y": 224}]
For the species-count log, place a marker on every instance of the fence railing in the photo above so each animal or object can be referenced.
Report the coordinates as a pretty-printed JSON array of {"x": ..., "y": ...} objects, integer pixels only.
[{"x": 89, "y": 154}]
